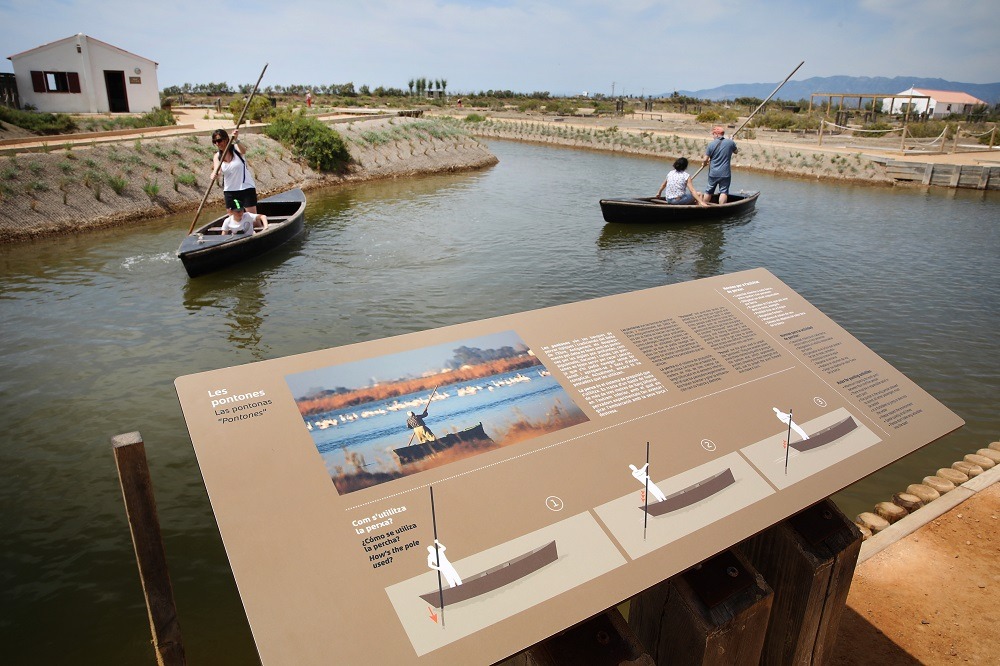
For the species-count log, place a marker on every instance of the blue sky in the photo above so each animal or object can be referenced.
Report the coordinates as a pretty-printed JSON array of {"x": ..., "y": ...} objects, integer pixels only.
[
  {"x": 562, "y": 46},
  {"x": 394, "y": 366}
]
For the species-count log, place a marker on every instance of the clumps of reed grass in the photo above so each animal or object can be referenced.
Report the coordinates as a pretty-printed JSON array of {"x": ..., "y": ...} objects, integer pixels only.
[
  {"x": 151, "y": 188},
  {"x": 117, "y": 183}
]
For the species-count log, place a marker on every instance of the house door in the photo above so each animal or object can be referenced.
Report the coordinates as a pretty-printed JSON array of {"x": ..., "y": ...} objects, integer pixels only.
[{"x": 117, "y": 99}]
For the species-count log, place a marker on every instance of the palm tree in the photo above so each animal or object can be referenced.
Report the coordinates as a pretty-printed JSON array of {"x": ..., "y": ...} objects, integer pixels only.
[
  {"x": 444, "y": 86},
  {"x": 411, "y": 82}
]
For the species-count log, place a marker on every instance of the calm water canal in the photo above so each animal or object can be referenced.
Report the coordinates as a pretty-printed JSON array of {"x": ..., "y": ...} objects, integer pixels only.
[{"x": 96, "y": 327}]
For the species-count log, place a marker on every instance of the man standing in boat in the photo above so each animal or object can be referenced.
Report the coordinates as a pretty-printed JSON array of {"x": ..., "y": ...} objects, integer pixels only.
[
  {"x": 415, "y": 422},
  {"x": 787, "y": 420},
  {"x": 437, "y": 561},
  {"x": 642, "y": 477},
  {"x": 719, "y": 153}
]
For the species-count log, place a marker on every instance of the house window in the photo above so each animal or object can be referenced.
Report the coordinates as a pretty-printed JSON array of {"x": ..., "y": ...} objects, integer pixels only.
[
  {"x": 948, "y": 108},
  {"x": 57, "y": 82}
]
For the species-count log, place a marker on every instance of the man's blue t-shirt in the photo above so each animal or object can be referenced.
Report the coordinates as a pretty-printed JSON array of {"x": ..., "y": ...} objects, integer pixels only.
[{"x": 721, "y": 152}]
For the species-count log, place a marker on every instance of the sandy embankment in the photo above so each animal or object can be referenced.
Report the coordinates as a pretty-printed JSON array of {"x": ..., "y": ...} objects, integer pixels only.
[
  {"x": 75, "y": 188},
  {"x": 679, "y": 135}
]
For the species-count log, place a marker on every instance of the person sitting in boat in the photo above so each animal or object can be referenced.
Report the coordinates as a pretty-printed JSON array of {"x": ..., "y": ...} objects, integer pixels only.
[
  {"x": 678, "y": 186},
  {"x": 437, "y": 561},
  {"x": 242, "y": 222},
  {"x": 415, "y": 422}
]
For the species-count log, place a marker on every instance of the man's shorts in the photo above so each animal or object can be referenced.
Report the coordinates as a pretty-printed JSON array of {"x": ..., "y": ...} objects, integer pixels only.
[
  {"x": 247, "y": 198},
  {"x": 723, "y": 184}
]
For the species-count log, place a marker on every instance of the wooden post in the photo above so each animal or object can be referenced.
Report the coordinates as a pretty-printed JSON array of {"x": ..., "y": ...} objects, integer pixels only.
[
  {"x": 809, "y": 561},
  {"x": 958, "y": 130},
  {"x": 143, "y": 522},
  {"x": 822, "y": 122},
  {"x": 603, "y": 640},
  {"x": 902, "y": 141},
  {"x": 713, "y": 613},
  {"x": 993, "y": 136}
]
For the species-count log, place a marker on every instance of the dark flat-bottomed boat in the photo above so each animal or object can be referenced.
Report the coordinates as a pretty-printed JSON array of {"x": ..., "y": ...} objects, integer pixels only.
[
  {"x": 826, "y": 435},
  {"x": 495, "y": 577},
  {"x": 206, "y": 249},
  {"x": 692, "y": 494},
  {"x": 650, "y": 210}
]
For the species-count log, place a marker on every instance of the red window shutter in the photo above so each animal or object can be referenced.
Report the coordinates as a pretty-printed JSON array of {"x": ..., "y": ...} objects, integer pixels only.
[
  {"x": 38, "y": 81},
  {"x": 74, "y": 81}
]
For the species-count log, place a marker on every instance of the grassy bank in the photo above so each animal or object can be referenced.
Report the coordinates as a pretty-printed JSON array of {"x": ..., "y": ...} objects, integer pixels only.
[{"x": 71, "y": 188}]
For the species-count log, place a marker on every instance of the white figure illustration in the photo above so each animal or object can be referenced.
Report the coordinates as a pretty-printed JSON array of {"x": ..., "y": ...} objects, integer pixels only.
[
  {"x": 787, "y": 420},
  {"x": 643, "y": 478},
  {"x": 437, "y": 561}
]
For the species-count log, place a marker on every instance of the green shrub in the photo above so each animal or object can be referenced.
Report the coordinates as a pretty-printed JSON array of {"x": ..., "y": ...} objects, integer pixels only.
[
  {"x": 187, "y": 179},
  {"x": 322, "y": 147},
  {"x": 707, "y": 117},
  {"x": 117, "y": 183},
  {"x": 42, "y": 123},
  {"x": 474, "y": 118},
  {"x": 151, "y": 188},
  {"x": 260, "y": 109}
]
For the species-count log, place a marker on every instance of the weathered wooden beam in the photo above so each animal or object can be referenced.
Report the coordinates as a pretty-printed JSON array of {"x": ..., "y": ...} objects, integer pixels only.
[
  {"x": 603, "y": 640},
  {"x": 809, "y": 561},
  {"x": 713, "y": 613},
  {"x": 144, "y": 524}
]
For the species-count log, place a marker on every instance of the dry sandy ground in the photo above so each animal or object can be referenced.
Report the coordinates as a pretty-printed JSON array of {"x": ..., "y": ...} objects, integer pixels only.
[{"x": 932, "y": 597}]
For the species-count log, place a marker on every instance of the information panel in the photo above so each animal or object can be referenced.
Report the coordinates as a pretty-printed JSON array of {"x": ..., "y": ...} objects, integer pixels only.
[{"x": 456, "y": 495}]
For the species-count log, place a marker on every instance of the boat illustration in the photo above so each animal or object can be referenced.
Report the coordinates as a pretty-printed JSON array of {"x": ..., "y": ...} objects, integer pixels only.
[
  {"x": 417, "y": 452},
  {"x": 495, "y": 577},
  {"x": 826, "y": 435},
  {"x": 692, "y": 494}
]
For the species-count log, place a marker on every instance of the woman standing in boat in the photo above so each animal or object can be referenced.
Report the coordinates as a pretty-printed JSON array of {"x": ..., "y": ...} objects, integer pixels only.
[
  {"x": 678, "y": 186},
  {"x": 237, "y": 180}
]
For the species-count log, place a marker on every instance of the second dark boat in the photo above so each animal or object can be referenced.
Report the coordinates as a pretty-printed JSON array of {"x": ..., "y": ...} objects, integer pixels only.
[{"x": 649, "y": 210}]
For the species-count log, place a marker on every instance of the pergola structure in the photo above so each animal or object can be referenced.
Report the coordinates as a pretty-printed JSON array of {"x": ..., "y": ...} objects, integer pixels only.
[{"x": 863, "y": 96}]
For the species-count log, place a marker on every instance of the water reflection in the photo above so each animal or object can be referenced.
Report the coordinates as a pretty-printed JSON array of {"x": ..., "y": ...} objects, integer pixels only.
[{"x": 698, "y": 245}]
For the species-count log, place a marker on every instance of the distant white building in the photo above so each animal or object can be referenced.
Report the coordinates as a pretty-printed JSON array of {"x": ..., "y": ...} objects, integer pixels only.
[
  {"x": 81, "y": 74},
  {"x": 939, "y": 104}
]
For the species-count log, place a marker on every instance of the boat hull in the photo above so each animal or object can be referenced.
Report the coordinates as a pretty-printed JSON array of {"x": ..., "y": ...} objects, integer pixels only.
[
  {"x": 826, "y": 435},
  {"x": 417, "y": 452},
  {"x": 692, "y": 494},
  {"x": 648, "y": 211},
  {"x": 204, "y": 251},
  {"x": 495, "y": 577}
]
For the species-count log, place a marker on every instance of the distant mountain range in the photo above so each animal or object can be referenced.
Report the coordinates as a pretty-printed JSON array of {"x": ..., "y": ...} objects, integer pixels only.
[{"x": 796, "y": 90}]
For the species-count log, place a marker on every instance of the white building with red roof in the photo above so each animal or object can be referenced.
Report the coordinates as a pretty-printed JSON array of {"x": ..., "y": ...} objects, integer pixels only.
[
  {"x": 81, "y": 74},
  {"x": 935, "y": 103}
]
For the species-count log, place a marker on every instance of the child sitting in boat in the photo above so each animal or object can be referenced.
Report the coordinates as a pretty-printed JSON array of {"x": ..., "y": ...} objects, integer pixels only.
[
  {"x": 675, "y": 184},
  {"x": 242, "y": 222}
]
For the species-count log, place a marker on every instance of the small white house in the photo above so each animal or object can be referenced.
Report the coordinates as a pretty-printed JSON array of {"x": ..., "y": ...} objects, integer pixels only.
[
  {"x": 935, "y": 103},
  {"x": 81, "y": 74}
]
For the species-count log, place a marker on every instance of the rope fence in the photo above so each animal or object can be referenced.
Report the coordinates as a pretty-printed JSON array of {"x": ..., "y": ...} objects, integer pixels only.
[{"x": 912, "y": 144}]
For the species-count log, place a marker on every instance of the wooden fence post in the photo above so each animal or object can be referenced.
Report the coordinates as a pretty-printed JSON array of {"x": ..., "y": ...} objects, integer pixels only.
[
  {"x": 809, "y": 561},
  {"x": 603, "y": 640},
  {"x": 902, "y": 141},
  {"x": 958, "y": 130},
  {"x": 713, "y": 613},
  {"x": 144, "y": 524}
]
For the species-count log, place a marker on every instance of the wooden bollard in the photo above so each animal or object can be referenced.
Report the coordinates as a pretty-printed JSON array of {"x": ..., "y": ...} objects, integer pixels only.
[
  {"x": 967, "y": 468},
  {"x": 907, "y": 501},
  {"x": 713, "y": 613},
  {"x": 140, "y": 508},
  {"x": 809, "y": 561},
  {"x": 991, "y": 454},
  {"x": 603, "y": 640},
  {"x": 983, "y": 461},
  {"x": 873, "y": 522},
  {"x": 865, "y": 532},
  {"x": 923, "y": 491},
  {"x": 890, "y": 511},
  {"x": 955, "y": 476},
  {"x": 939, "y": 484},
  {"x": 995, "y": 446}
]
